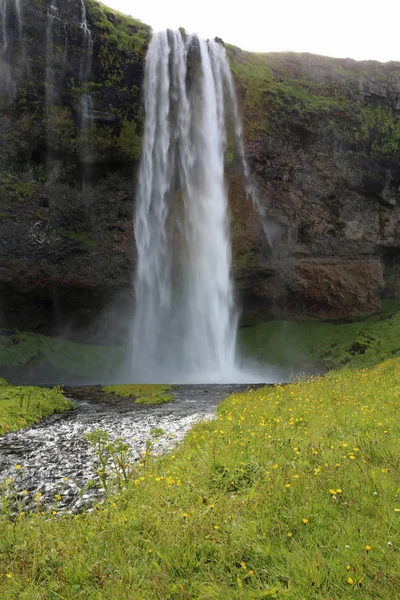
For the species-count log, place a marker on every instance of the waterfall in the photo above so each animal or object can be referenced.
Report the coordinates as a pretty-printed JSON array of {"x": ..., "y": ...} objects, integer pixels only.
[
  {"x": 10, "y": 32},
  {"x": 85, "y": 100},
  {"x": 7, "y": 7},
  {"x": 87, "y": 45},
  {"x": 185, "y": 319},
  {"x": 56, "y": 30}
]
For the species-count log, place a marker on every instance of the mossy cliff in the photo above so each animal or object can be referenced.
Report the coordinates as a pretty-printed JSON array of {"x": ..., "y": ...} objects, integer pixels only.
[
  {"x": 67, "y": 187},
  {"x": 322, "y": 136}
]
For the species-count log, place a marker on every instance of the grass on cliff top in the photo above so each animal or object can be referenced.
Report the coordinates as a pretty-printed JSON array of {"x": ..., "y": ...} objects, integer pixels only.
[
  {"x": 289, "y": 493},
  {"x": 278, "y": 91},
  {"x": 143, "y": 393},
  {"x": 22, "y": 406},
  {"x": 309, "y": 345},
  {"x": 122, "y": 30}
]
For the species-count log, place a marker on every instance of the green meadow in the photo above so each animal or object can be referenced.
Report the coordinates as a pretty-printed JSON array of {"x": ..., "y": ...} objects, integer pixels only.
[{"x": 291, "y": 492}]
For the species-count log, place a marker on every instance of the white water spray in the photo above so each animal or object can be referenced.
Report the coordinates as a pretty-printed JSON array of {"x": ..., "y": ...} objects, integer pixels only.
[{"x": 185, "y": 319}]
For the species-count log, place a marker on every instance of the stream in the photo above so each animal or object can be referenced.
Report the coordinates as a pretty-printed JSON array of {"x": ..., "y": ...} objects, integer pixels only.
[{"x": 56, "y": 459}]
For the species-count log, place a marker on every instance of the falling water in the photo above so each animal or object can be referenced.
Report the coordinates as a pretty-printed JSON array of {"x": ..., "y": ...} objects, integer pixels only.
[
  {"x": 185, "y": 320},
  {"x": 10, "y": 30},
  {"x": 87, "y": 45},
  {"x": 7, "y": 7},
  {"x": 85, "y": 100},
  {"x": 56, "y": 30},
  {"x": 56, "y": 56}
]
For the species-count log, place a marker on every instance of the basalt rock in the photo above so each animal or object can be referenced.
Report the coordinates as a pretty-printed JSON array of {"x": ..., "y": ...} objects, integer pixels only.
[{"x": 322, "y": 136}]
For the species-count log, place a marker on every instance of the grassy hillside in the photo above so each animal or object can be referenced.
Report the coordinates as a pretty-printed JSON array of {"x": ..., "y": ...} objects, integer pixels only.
[{"x": 310, "y": 345}]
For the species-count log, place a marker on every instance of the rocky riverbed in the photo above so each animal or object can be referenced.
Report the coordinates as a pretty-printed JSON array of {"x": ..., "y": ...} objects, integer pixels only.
[{"x": 53, "y": 461}]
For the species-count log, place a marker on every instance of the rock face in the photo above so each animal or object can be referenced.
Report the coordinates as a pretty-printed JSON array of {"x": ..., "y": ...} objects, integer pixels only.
[{"x": 322, "y": 136}]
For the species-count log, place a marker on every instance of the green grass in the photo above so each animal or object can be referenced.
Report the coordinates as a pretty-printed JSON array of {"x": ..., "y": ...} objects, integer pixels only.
[
  {"x": 278, "y": 93},
  {"x": 307, "y": 345},
  {"x": 143, "y": 393},
  {"x": 287, "y": 494},
  {"x": 22, "y": 406},
  {"x": 19, "y": 349}
]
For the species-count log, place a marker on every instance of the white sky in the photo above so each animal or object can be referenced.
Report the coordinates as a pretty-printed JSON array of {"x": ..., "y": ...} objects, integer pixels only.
[{"x": 360, "y": 29}]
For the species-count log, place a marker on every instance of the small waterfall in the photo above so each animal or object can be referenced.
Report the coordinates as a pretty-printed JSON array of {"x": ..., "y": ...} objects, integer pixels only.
[
  {"x": 10, "y": 30},
  {"x": 7, "y": 9},
  {"x": 185, "y": 318},
  {"x": 56, "y": 56},
  {"x": 85, "y": 100},
  {"x": 87, "y": 45},
  {"x": 56, "y": 31}
]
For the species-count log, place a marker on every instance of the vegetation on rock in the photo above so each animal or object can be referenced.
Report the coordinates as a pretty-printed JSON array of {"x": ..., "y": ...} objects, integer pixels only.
[
  {"x": 20, "y": 351},
  {"x": 143, "y": 393},
  {"x": 22, "y": 406},
  {"x": 317, "y": 345},
  {"x": 285, "y": 90}
]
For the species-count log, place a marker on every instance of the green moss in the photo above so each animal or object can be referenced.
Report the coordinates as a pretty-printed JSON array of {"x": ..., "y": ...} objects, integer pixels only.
[
  {"x": 61, "y": 129},
  {"x": 117, "y": 29},
  {"x": 306, "y": 345},
  {"x": 132, "y": 390},
  {"x": 279, "y": 93},
  {"x": 129, "y": 141},
  {"x": 22, "y": 406},
  {"x": 13, "y": 188},
  {"x": 143, "y": 393},
  {"x": 20, "y": 349},
  {"x": 228, "y": 158},
  {"x": 75, "y": 236},
  {"x": 154, "y": 399},
  {"x": 379, "y": 130}
]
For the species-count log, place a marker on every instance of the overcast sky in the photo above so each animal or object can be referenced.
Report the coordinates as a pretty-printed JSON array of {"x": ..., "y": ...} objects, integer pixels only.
[{"x": 359, "y": 29}]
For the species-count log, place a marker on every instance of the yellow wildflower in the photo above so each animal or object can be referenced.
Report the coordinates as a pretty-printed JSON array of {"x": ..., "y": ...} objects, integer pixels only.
[{"x": 350, "y": 581}]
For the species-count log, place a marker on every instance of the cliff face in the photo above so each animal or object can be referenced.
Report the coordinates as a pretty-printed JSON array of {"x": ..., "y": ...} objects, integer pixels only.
[
  {"x": 323, "y": 136},
  {"x": 323, "y": 140}
]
